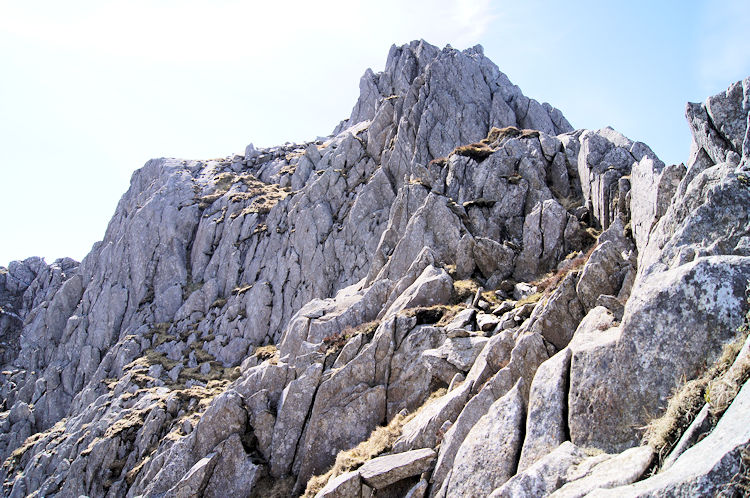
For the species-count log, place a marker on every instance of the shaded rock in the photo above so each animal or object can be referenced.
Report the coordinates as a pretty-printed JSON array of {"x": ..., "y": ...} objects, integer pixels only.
[
  {"x": 559, "y": 315},
  {"x": 422, "y": 430},
  {"x": 492, "y": 258},
  {"x": 234, "y": 473},
  {"x": 603, "y": 273}
]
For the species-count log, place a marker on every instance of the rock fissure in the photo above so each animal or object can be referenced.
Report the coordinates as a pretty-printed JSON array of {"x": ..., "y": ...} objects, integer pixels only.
[{"x": 221, "y": 331}]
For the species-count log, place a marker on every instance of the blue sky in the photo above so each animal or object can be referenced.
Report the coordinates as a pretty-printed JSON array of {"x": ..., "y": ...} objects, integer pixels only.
[{"x": 90, "y": 90}]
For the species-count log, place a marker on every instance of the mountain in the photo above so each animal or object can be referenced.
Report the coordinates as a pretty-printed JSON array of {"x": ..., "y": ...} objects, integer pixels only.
[{"x": 454, "y": 294}]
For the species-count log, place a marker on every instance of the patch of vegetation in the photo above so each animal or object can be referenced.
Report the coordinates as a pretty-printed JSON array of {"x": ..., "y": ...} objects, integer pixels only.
[
  {"x": 219, "y": 303},
  {"x": 334, "y": 343},
  {"x": 499, "y": 134},
  {"x": 380, "y": 441},
  {"x": 477, "y": 151},
  {"x": 269, "y": 352},
  {"x": 717, "y": 386},
  {"x": 224, "y": 180},
  {"x": 481, "y": 202},
  {"x": 533, "y": 298},
  {"x": 12, "y": 463},
  {"x": 466, "y": 289},
  {"x": 439, "y": 161},
  {"x": 576, "y": 260},
  {"x": 268, "y": 487}
]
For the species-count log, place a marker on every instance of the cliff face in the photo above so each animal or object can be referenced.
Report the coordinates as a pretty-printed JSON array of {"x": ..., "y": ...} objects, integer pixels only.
[{"x": 245, "y": 320}]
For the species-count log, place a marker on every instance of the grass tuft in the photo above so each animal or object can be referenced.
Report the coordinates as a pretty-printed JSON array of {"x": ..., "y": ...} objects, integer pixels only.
[
  {"x": 717, "y": 386},
  {"x": 380, "y": 441}
]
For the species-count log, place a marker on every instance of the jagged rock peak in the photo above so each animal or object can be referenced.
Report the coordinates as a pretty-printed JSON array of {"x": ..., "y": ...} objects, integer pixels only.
[
  {"x": 492, "y": 293},
  {"x": 417, "y": 64}
]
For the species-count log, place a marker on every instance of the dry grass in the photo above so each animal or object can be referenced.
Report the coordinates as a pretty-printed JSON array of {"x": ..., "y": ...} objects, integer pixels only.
[
  {"x": 333, "y": 343},
  {"x": 238, "y": 291},
  {"x": 268, "y": 352},
  {"x": 219, "y": 303},
  {"x": 717, "y": 386},
  {"x": 739, "y": 484},
  {"x": 498, "y": 134},
  {"x": 12, "y": 463},
  {"x": 477, "y": 151},
  {"x": 532, "y": 298},
  {"x": 464, "y": 290},
  {"x": 550, "y": 281},
  {"x": 380, "y": 441}
]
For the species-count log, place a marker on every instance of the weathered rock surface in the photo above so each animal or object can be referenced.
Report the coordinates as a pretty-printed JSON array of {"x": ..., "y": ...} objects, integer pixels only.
[
  {"x": 246, "y": 319},
  {"x": 487, "y": 456}
]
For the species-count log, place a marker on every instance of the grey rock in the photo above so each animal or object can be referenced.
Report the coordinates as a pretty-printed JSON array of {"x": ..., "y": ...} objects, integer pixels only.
[
  {"x": 433, "y": 286},
  {"x": 381, "y": 472},
  {"x": 705, "y": 468},
  {"x": 616, "y": 471},
  {"x": 486, "y": 321},
  {"x": 676, "y": 302},
  {"x": 293, "y": 408},
  {"x": 342, "y": 486},
  {"x": 547, "y": 410},
  {"x": 422, "y": 431},
  {"x": 460, "y": 351},
  {"x": 488, "y": 456},
  {"x": 545, "y": 476},
  {"x": 603, "y": 273},
  {"x": 558, "y": 316}
]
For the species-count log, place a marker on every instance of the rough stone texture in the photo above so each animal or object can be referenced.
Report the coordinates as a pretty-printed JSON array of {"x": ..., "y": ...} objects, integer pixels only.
[
  {"x": 546, "y": 422},
  {"x": 250, "y": 317},
  {"x": 545, "y": 476},
  {"x": 512, "y": 361},
  {"x": 422, "y": 431},
  {"x": 696, "y": 307},
  {"x": 489, "y": 455},
  {"x": 343, "y": 486},
  {"x": 558, "y": 316},
  {"x": 618, "y": 470},
  {"x": 381, "y": 472},
  {"x": 706, "y": 467}
]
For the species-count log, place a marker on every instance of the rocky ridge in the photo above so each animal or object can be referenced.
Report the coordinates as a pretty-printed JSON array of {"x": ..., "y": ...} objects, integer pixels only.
[{"x": 247, "y": 319}]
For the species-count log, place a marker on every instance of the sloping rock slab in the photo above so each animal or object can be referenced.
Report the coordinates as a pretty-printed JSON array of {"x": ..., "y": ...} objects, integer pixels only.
[
  {"x": 383, "y": 471},
  {"x": 621, "y": 469},
  {"x": 707, "y": 467}
]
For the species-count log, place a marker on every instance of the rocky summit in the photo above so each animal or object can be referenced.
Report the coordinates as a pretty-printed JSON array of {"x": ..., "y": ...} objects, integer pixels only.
[{"x": 455, "y": 294}]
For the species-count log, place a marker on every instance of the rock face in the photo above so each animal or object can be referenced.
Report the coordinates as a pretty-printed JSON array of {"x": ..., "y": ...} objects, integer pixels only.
[{"x": 432, "y": 267}]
